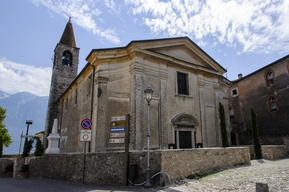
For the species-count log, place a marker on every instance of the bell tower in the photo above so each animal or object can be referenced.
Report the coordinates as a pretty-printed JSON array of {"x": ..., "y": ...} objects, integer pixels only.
[{"x": 65, "y": 66}]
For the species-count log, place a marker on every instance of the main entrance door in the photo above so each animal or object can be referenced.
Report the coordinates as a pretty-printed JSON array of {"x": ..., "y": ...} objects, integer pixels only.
[{"x": 185, "y": 139}]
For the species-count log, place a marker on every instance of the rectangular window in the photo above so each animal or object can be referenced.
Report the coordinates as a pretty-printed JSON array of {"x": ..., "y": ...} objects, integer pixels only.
[
  {"x": 234, "y": 92},
  {"x": 182, "y": 79}
]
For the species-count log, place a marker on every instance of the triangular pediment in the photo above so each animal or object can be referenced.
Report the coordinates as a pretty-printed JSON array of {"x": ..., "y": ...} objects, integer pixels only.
[
  {"x": 182, "y": 53},
  {"x": 179, "y": 50}
]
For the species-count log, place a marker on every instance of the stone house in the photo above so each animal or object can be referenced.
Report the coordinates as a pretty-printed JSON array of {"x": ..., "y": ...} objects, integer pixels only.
[
  {"x": 267, "y": 91},
  {"x": 187, "y": 84}
]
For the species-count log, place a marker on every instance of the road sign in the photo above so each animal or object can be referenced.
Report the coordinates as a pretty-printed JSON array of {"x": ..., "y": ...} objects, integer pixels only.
[
  {"x": 118, "y": 118},
  {"x": 117, "y": 129},
  {"x": 117, "y": 135},
  {"x": 85, "y": 135},
  {"x": 86, "y": 123},
  {"x": 117, "y": 124},
  {"x": 26, "y": 136},
  {"x": 121, "y": 140}
]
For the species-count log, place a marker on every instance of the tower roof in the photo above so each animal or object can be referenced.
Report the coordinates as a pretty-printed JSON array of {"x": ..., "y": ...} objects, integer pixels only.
[{"x": 68, "y": 35}]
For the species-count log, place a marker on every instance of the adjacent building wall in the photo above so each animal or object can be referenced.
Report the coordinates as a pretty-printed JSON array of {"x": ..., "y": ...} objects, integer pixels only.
[{"x": 254, "y": 91}]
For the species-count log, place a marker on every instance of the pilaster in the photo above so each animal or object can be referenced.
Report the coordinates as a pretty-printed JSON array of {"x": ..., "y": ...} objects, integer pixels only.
[
  {"x": 164, "y": 121},
  {"x": 99, "y": 136},
  {"x": 202, "y": 96}
]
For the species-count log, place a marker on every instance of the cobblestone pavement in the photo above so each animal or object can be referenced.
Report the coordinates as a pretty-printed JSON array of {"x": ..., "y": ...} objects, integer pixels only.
[{"x": 240, "y": 178}]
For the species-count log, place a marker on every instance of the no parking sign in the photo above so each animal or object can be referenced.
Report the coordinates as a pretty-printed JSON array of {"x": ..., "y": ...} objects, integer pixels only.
[{"x": 85, "y": 135}]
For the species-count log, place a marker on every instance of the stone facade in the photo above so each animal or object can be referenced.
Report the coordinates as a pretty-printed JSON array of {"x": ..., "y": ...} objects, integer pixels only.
[
  {"x": 267, "y": 91},
  {"x": 120, "y": 78}
]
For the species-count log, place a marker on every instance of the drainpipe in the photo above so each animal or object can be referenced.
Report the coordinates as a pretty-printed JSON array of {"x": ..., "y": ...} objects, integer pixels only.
[{"x": 91, "y": 105}]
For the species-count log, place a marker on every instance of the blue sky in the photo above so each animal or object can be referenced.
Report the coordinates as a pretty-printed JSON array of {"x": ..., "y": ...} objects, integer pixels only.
[{"x": 242, "y": 35}]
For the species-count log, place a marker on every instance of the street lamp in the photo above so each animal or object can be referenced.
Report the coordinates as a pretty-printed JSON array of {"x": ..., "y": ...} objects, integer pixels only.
[
  {"x": 28, "y": 122},
  {"x": 148, "y": 92}
]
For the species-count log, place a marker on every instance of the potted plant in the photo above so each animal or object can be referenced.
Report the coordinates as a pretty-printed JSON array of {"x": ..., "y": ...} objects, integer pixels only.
[
  {"x": 9, "y": 170},
  {"x": 25, "y": 171}
]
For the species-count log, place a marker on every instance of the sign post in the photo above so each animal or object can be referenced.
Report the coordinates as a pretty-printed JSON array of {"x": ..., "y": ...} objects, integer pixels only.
[{"x": 85, "y": 135}]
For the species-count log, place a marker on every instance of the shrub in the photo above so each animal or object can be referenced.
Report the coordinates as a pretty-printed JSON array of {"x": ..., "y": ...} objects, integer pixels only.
[
  {"x": 27, "y": 147},
  {"x": 255, "y": 133},
  {"x": 223, "y": 127},
  {"x": 9, "y": 168},
  {"x": 39, "y": 151}
]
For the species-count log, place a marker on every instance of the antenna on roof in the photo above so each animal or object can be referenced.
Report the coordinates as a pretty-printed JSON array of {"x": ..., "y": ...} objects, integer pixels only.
[{"x": 226, "y": 74}]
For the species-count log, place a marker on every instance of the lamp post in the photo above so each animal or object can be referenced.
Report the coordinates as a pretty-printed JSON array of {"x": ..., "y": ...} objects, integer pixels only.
[
  {"x": 28, "y": 122},
  {"x": 148, "y": 93}
]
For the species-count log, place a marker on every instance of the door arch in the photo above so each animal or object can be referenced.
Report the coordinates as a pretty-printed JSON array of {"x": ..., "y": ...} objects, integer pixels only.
[
  {"x": 234, "y": 137},
  {"x": 184, "y": 130}
]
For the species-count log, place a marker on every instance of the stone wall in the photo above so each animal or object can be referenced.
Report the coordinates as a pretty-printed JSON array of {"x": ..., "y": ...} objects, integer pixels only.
[
  {"x": 270, "y": 151},
  {"x": 17, "y": 163},
  {"x": 274, "y": 151},
  {"x": 181, "y": 163},
  {"x": 3, "y": 163},
  {"x": 105, "y": 168},
  {"x": 109, "y": 167}
]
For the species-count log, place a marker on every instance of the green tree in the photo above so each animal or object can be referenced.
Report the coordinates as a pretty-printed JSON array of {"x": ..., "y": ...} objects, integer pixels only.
[
  {"x": 5, "y": 138},
  {"x": 223, "y": 127},
  {"x": 255, "y": 133},
  {"x": 39, "y": 151},
  {"x": 27, "y": 147}
]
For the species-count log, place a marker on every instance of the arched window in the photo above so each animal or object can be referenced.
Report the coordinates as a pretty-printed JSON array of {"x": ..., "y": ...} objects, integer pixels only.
[
  {"x": 67, "y": 58},
  {"x": 269, "y": 77},
  {"x": 185, "y": 131},
  {"x": 272, "y": 103}
]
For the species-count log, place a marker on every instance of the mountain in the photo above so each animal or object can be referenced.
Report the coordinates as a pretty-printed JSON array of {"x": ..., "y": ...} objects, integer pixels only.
[
  {"x": 21, "y": 107},
  {"x": 3, "y": 95}
]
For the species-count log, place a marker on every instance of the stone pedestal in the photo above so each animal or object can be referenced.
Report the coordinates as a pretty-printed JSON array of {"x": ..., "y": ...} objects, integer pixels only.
[
  {"x": 262, "y": 187},
  {"x": 53, "y": 140}
]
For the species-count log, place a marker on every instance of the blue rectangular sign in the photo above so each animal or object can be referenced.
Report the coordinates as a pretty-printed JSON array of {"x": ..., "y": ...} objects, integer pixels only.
[{"x": 117, "y": 129}]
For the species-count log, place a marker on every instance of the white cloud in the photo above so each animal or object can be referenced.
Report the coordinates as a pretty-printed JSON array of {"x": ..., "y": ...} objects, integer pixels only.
[
  {"x": 82, "y": 12},
  {"x": 16, "y": 77},
  {"x": 202, "y": 43},
  {"x": 255, "y": 24}
]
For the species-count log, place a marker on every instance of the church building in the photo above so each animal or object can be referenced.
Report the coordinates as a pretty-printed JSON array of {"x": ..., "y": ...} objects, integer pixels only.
[{"x": 187, "y": 87}]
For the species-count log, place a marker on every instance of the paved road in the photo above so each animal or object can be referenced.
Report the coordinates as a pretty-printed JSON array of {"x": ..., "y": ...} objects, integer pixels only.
[{"x": 46, "y": 185}]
